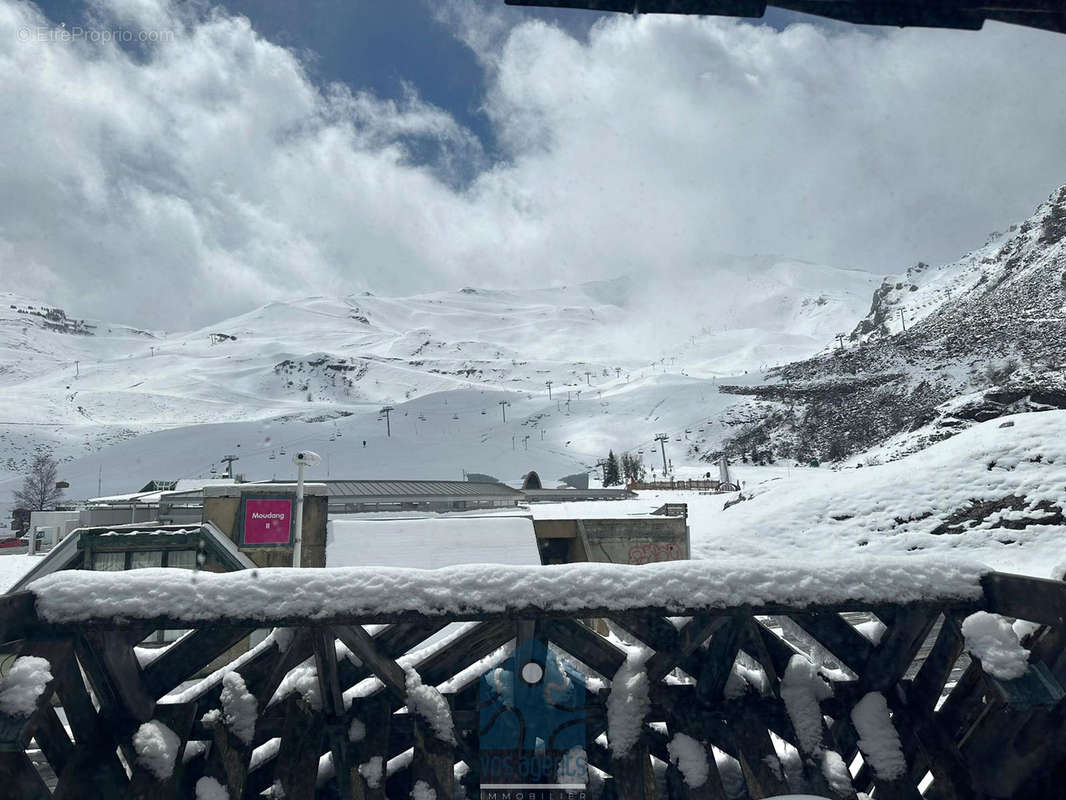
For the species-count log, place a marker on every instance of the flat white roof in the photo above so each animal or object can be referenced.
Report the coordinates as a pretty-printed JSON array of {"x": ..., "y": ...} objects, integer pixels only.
[{"x": 431, "y": 543}]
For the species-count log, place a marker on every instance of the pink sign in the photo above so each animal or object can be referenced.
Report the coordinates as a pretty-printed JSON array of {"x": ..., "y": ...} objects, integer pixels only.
[{"x": 267, "y": 521}]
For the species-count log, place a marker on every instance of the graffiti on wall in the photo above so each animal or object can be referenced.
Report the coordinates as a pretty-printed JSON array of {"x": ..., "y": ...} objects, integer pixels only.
[{"x": 651, "y": 552}]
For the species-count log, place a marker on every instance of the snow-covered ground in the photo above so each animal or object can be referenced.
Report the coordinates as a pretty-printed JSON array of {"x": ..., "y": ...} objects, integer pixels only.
[
  {"x": 13, "y": 566},
  {"x": 893, "y": 508}
]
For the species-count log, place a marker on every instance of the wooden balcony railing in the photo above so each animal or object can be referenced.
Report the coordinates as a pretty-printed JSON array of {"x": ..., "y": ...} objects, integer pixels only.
[{"x": 377, "y": 692}]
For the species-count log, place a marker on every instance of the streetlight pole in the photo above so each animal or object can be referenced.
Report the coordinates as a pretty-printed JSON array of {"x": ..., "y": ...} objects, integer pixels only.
[{"x": 304, "y": 458}]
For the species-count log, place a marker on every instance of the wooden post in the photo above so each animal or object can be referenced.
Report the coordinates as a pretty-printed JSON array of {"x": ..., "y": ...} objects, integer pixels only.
[
  {"x": 301, "y": 746},
  {"x": 333, "y": 709},
  {"x": 434, "y": 760}
]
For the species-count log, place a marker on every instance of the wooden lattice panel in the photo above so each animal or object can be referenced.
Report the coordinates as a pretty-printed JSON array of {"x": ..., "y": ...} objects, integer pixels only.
[{"x": 340, "y": 708}]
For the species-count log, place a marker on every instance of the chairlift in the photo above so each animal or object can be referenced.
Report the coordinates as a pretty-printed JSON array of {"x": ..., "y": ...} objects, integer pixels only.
[
  {"x": 281, "y": 452},
  {"x": 272, "y": 457},
  {"x": 483, "y": 412},
  {"x": 455, "y": 416}
]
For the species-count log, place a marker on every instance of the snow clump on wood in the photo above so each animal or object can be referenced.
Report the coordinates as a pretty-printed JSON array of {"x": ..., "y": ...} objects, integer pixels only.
[
  {"x": 208, "y": 788},
  {"x": 238, "y": 706},
  {"x": 372, "y": 771},
  {"x": 690, "y": 756},
  {"x": 802, "y": 689},
  {"x": 878, "y": 738},
  {"x": 157, "y": 748},
  {"x": 628, "y": 703},
  {"x": 429, "y": 704},
  {"x": 995, "y": 643},
  {"x": 23, "y": 684}
]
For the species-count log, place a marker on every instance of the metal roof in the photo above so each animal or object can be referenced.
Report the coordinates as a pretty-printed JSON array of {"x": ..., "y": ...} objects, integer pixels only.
[{"x": 408, "y": 488}]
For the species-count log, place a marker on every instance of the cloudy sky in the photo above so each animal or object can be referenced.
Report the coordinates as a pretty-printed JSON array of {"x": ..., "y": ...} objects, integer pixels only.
[{"x": 239, "y": 155}]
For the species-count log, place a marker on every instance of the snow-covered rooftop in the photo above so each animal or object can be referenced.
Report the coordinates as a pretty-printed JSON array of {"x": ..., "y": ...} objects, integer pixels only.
[{"x": 432, "y": 542}]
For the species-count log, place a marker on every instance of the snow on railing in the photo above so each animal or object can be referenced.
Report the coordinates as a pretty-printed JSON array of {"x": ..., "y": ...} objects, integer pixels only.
[{"x": 473, "y": 591}]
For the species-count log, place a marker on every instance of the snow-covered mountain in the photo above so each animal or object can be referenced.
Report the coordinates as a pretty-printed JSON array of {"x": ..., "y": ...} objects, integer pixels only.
[
  {"x": 984, "y": 337},
  {"x": 743, "y": 357},
  {"x": 635, "y": 355}
]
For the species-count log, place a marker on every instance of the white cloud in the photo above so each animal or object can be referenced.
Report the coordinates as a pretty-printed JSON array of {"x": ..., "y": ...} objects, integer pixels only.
[{"x": 201, "y": 175}]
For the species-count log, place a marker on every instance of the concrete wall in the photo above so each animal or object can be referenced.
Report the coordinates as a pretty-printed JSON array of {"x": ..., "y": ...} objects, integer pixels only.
[
  {"x": 615, "y": 541},
  {"x": 635, "y": 541},
  {"x": 222, "y": 507}
]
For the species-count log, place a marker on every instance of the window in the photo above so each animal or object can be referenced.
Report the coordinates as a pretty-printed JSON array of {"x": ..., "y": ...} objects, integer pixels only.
[
  {"x": 109, "y": 562},
  {"x": 139, "y": 559},
  {"x": 182, "y": 559}
]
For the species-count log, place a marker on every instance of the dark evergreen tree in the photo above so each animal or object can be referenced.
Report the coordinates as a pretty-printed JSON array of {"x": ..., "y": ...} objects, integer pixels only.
[{"x": 611, "y": 474}]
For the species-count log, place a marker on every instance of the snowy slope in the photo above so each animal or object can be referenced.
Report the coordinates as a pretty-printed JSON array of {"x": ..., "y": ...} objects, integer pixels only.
[
  {"x": 992, "y": 493},
  {"x": 634, "y": 355}
]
